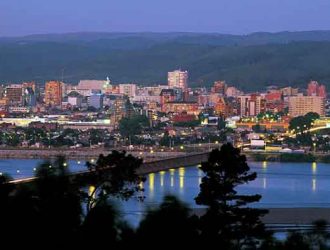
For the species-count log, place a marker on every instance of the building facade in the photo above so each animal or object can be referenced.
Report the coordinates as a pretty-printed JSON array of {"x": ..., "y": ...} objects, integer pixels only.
[
  {"x": 53, "y": 93},
  {"x": 301, "y": 105},
  {"x": 127, "y": 89},
  {"x": 178, "y": 79}
]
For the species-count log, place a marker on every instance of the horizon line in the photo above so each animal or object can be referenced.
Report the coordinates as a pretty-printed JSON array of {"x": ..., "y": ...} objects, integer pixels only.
[{"x": 161, "y": 32}]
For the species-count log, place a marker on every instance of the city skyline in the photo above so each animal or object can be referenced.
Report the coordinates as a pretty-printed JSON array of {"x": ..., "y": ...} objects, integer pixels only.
[{"x": 230, "y": 17}]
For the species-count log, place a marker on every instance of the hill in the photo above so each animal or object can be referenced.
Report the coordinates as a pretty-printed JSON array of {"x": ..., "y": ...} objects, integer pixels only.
[{"x": 250, "y": 62}]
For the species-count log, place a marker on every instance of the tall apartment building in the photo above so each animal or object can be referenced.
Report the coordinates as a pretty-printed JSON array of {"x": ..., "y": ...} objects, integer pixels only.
[
  {"x": 117, "y": 111},
  {"x": 53, "y": 93},
  {"x": 250, "y": 105},
  {"x": 178, "y": 79},
  {"x": 301, "y": 105}
]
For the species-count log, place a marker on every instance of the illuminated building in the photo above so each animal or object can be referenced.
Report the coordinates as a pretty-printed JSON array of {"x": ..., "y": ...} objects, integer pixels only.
[
  {"x": 14, "y": 94},
  {"x": 75, "y": 99},
  {"x": 117, "y": 111},
  {"x": 289, "y": 91},
  {"x": 232, "y": 92},
  {"x": 53, "y": 93},
  {"x": 316, "y": 89},
  {"x": 93, "y": 85},
  {"x": 166, "y": 95},
  {"x": 31, "y": 85},
  {"x": 250, "y": 105},
  {"x": 301, "y": 105},
  {"x": 178, "y": 79},
  {"x": 180, "y": 107},
  {"x": 127, "y": 89},
  {"x": 96, "y": 101},
  {"x": 219, "y": 87},
  {"x": 184, "y": 117},
  {"x": 281, "y": 126}
]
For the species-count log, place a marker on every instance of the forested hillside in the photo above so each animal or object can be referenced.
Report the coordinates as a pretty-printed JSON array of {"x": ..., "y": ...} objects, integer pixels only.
[{"x": 249, "y": 62}]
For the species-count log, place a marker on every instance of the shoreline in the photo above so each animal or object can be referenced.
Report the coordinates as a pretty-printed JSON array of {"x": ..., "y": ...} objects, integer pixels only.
[
  {"x": 87, "y": 153},
  {"x": 79, "y": 154},
  {"x": 290, "y": 216}
]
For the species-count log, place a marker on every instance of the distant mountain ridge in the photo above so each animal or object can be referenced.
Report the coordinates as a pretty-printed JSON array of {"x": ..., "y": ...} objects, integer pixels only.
[
  {"x": 248, "y": 61},
  {"x": 257, "y": 38}
]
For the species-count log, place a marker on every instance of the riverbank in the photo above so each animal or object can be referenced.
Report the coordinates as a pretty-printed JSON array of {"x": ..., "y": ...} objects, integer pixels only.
[
  {"x": 151, "y": 156},
  {"x": 287, "y": 157},
  {"x": 80, "y": 154},
  {"x": 292, "y": 216}
]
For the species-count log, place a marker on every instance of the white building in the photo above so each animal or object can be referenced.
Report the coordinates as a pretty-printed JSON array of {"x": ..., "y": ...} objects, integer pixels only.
[{"x": 178, "y": 79}]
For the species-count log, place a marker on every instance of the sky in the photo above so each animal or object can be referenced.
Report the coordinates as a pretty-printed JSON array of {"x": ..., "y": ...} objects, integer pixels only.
[{"x": 24, "y": 17}]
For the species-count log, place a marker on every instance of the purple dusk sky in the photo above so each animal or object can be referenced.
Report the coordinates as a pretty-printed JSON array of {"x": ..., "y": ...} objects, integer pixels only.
[{"x": 20, "y": 17}]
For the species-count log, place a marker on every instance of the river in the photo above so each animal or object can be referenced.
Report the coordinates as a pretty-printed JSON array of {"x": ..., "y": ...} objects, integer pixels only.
[{"x": 280, "y": 184}]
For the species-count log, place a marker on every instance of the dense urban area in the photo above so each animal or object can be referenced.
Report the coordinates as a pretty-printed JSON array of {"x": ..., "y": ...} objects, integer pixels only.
[{"x": 164, "y": 117}]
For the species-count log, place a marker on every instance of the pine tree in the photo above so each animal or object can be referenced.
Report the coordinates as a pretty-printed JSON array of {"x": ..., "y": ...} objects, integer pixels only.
[{"x": 229, "y": 221}]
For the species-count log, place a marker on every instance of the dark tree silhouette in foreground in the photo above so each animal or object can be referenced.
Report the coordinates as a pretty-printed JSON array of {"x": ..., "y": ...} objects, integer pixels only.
[
  {"x": 228, "y": 220},
  {"x": 114, "y": 175},
  {"x": 103, "y": 226},
  {"x": 58, "y": 199},
  {"x": 169, "y": 225}
]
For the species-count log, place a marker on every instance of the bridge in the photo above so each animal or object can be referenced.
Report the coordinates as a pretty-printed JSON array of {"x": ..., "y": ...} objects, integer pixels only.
[{"x": 147, "y": 167}]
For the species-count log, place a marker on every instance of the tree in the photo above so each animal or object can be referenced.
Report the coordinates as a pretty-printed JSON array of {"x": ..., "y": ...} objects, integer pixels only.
[
  {"x": 114, "y": 175},
  {"x": 58, "y": 201},
  {"x": 257, "y": 128},
  {"x": 228, "y": 220},
  {"x": 194, "y": 123},
  {"x": 301, "y": 124},
  {"x": 222, "y": 123},
  {"x": 132, "y": 126},
  {"x": 171, "y": 221},
  {"x": 165, "y": 140},
  {"x": 103, "y": 227},
  {"x": 319, "y": 235}
]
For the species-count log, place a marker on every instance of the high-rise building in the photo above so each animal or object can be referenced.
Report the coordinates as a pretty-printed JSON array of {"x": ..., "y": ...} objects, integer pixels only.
[
  {"x": 301, "y": 105},
  {"x": 117, "y": 111},
  {"x": 53, "y": 93},
  {"x": 250, "y": 105},
  {"x": 316, "y": 89},
  {"x": 178, "y": 79}
]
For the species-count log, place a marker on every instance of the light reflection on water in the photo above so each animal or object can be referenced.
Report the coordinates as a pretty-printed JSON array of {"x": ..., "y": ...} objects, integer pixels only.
[{"x": 280, "y": 184}]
